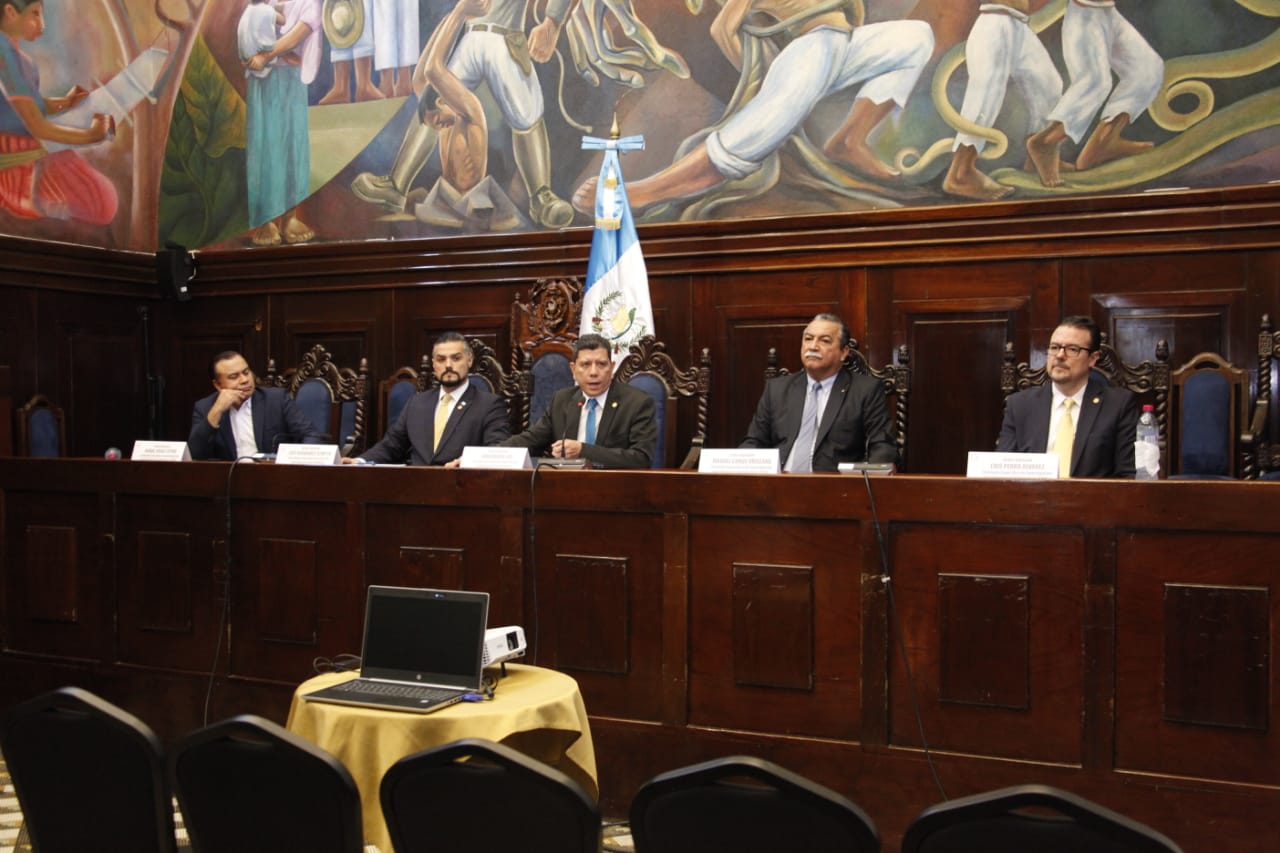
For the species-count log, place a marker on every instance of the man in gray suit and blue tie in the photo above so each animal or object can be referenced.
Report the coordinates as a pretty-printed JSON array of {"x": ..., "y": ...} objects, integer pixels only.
[
  {"x": 436, "y": 425},
  {"x": 825, "y": 414}
]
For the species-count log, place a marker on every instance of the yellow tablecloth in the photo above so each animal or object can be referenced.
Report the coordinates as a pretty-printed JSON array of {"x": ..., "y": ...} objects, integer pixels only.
[{"x": 537, "y": 711}]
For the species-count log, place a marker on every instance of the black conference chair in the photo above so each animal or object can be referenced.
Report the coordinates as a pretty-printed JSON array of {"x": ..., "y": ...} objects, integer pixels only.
[
  {"x": 747, "y": 805},
  {"x": 246, "y": 785},
  {"x": 1029, "y": 817},
  {"x": 89, "y": 775},
  {"x": 444, "y": 798}
]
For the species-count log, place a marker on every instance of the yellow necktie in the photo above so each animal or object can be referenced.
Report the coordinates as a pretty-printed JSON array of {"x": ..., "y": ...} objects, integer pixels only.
[
  {"x": 1064, "y": 440},
  {"x": 442, "y": 418}
]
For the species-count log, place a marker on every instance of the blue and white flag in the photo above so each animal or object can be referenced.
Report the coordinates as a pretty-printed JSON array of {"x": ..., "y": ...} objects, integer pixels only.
[{"x": 615, "y": 303}]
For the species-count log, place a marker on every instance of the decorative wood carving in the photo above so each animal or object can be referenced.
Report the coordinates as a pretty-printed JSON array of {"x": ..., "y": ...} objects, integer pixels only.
[
  {"x": 345, "y": 386},
  {"x": 649, "y": 355}
]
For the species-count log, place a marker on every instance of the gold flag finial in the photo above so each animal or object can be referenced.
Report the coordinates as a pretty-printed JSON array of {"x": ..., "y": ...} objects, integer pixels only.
[{"x": 614, "y": 133}]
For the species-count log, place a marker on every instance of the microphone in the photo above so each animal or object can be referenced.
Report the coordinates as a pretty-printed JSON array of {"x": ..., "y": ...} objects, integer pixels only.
[
  {"x": 561, "y": 461},
  {"x": 282, "y": 438},
  {"x": 113, "y": 453}
]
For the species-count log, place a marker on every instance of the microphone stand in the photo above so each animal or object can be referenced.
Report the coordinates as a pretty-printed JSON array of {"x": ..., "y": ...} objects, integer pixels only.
[{"x": 155, "y": 384}]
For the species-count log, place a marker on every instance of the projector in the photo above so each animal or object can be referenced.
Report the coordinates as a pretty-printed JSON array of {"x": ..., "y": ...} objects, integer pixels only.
[{"x": 503, "y": 644}]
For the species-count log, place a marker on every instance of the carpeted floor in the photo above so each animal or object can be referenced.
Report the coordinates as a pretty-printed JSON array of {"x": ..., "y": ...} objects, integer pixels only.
[{"x": 617, "y": 835}]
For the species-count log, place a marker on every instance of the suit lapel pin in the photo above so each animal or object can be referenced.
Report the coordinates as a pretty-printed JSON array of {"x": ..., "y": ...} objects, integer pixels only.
[
  {"x": 1097, "y": 400},
  {"x": 463, "y": 405},
  {"x": 613, "y": 405}
]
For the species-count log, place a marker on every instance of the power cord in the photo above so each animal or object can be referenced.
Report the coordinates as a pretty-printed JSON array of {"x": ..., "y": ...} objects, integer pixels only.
[
  {"x": 887, "y": 579},
  {"x": 341, "y": 663},
  {"x": 226, "y": 596}
]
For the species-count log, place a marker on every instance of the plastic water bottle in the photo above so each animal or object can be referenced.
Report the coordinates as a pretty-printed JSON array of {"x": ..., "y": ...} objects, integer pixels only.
[{"x": 1146, "y": 449}]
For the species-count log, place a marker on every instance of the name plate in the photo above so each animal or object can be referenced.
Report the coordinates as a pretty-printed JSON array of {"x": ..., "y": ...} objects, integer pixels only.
[
  {"x": 739, "y": 460},
  {"x": 147, "y": 450},
  {"x": 308, "y": 454},
  {"x": 495, "y": 458},
  {"x": 1013, "y": 466}
]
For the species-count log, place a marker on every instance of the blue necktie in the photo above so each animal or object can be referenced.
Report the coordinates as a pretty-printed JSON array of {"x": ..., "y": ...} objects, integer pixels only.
[
  {"x": 801, "y": 459},
  {"x": 591, "y": 421}
]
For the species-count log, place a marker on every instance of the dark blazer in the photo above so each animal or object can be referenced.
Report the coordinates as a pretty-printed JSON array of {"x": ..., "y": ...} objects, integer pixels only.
[
  {"x": 275, "y": 418},
  {"x": 626, "y": 436},
  {"x": 478, "y": 418},
  {"x": 1105, "y": 431},
  {"x": 854, "y": 426}
]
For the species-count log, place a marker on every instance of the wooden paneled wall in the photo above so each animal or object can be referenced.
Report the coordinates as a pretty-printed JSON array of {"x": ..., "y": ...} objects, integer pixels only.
[{"x": 1197, "y": 269}]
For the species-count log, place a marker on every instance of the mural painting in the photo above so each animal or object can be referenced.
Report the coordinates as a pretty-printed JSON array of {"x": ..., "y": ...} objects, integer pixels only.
[{"x": 242, "y": 123}]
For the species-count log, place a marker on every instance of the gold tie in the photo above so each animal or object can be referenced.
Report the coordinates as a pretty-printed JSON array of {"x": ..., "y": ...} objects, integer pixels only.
[
  {"x": 1064, "y": 440},
  {"x": 442, "y": 418}
]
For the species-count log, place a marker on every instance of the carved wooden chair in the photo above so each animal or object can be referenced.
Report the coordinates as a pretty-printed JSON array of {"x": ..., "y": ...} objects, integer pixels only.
[
  {"x": 1211, "y": 435},
  {"x": 649, "y": 368},
  {"x": 1148, "y": 380},
  {"x": 1268, "y": 446},
  {"x": 896, "y": 379},
  {"x": 334, "y": 399},
  {"x": 396, "y": 390},
  {"x": 42, "y": 429},
  {"x": 543, "y": 330}
]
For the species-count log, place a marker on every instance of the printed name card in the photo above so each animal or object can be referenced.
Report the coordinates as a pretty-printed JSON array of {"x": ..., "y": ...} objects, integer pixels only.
[
  {"x": 739, "y": 460},
  {"x": 1013, "y": 466},
  {"x": 308, "y": 454},
  {"x": 147, "y": 450},
  {"x": 495, "y": 458}
]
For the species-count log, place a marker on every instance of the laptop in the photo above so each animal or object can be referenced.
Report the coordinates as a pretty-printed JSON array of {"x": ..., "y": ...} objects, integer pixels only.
[{"x": 423, "y": 650}]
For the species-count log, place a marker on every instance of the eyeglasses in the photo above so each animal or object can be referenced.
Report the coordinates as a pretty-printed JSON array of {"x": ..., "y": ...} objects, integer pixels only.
[{"x": 1072, "y": 350}]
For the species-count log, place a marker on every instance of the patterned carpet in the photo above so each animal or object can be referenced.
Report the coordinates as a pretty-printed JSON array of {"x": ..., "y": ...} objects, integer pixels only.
[{"x": 617, "y": 835}]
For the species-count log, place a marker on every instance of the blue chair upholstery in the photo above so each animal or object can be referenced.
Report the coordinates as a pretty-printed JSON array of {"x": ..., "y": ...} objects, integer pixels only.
[
  {"x": 747, "y": 805},
  {"x": 549, "y": 374},
  {"x": 648, "y": 367},
  {"x": 41, "y": 429},
  {"x": 333, "y": 398},
  {"x": 397, "y": 398},
  {"x": 1025, "y": 818},
  {"x": 395, "y": 392},
  {"x": 89, "y": 775},
  {"x": 1209, "y": 409}
]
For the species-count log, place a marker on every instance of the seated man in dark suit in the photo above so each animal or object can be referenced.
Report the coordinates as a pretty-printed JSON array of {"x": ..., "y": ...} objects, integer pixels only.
[
  {"x": 435, "y": 425},
  {"x": 823, "y": 415},
  {"x": 610, "y": 425},
  {"x": 1088, "y": 423},
  {"x": 240, "y": 419}
]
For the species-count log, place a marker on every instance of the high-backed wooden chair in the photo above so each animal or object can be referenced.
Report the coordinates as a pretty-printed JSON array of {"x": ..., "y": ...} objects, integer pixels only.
[
  {"x": 396, "y": 390},
  {"x": 334, "y": 399},
  {"x": 1268, "y": 445},
  {"x": 1210, "y": 435},
  {"x": 895, "y": 377},
  {"x": 42, "y": 429},
  {"x": 543, "y": 330},
  {"x": 648, "y": 367},
  {"x": 1148, "y": 380}
]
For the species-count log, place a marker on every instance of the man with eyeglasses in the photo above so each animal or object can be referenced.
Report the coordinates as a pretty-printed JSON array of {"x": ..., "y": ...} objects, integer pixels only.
[{"x": 1077, "y": 415}]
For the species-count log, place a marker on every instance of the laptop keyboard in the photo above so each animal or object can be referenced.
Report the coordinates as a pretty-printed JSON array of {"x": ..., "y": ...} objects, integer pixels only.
[{"x": 362, "y": 687}]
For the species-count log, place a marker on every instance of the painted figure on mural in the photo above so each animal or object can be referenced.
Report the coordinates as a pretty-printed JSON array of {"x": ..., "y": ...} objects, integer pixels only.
[
  {"x": 34, "y": 182},
  {"x": 492, "y": 49},
  {"x": 830, "y": 52},
  {"x": 464, "y": 196},
  {"x": 1001, "y": 49},
  {"x": 395, "y": 45},
  {"x": 1097, "y": 40},
  {"x": 277, "y": 132},
  {"x": 351, "y": 47}
]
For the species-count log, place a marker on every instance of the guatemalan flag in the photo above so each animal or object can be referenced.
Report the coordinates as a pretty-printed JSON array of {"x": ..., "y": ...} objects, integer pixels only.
[{"x": 615, "y": 303}]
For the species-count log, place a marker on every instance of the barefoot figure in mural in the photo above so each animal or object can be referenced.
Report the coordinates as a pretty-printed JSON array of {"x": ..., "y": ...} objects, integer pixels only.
[
  {"x": 464, "y": 196},
  {"x": 492, "y": 49},
  {"x": 277, "y": 140},
  {"x": 829, "y": 53},
  {"x": 1096, "y": 39},
  {"x": 36, "y": 183},
  {"x": 1001, "y": 48}
]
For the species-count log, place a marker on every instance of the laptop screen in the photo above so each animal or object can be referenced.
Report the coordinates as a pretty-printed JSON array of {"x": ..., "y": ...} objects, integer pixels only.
[{"x": 427, "y": 636}]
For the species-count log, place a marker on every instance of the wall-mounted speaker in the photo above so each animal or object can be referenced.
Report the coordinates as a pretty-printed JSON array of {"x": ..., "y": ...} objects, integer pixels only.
[{"x": 175, "y": 270}]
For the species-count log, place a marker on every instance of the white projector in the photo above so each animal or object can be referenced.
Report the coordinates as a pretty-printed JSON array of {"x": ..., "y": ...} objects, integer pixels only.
[{"x": 503, "y": 644}]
